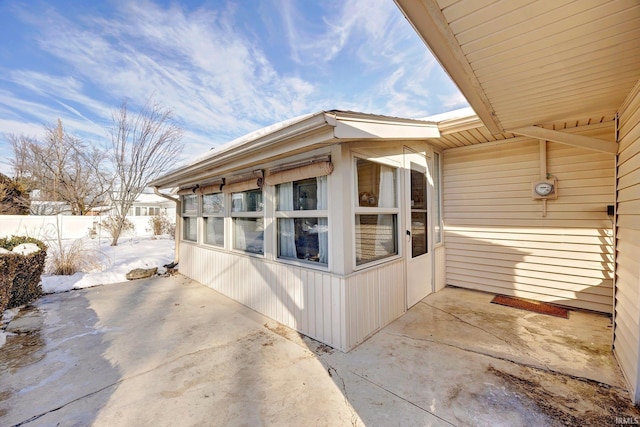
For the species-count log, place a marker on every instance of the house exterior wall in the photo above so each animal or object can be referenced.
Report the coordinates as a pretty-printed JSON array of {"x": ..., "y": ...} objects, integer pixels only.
[
  {"x": 627, "y": 297},
  {"x": 339, "y": 304},
  {"x": 339, "y": 311},
  {"x": 497, "y": 239}
]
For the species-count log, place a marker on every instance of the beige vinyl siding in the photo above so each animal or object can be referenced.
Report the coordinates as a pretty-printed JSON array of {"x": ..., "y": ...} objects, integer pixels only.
[
  {"x": 374, "y": 298},
  {"x": 497, "y": 239},
  {"x": 439, "y": 265},
  {"x": 339, "y": 311},
  {"x": 627, "y": 314}
]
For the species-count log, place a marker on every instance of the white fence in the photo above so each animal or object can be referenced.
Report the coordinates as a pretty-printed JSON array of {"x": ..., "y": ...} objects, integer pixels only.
[{"x": 71, "y": 227}]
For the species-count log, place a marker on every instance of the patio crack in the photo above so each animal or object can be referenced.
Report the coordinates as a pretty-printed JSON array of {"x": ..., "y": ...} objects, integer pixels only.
[
  {"x": 402, "y": 398},
  {"x": 468, "y": 323},
  {"x": 343, "y": 386}
]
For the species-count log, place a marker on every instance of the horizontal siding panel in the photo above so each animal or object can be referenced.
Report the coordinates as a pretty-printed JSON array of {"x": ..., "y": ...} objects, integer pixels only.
[
  {"x": 548, "y": 282},
  {"x": 497, "y": 238},
  {"x": 531, "y": 223},
  {"x": 496, "y": 288},
  {"x": 592, "y": 200},
  {"x": 624, "y": 309},
  {"x": 460, "y": 254},
  {"x": 551, "y": 270},
  {"x": 629, "y": 193},
  {"x": 454, "y": 180},
  {"x": 632, "y": 164},
  {"x": 586, "y": 237},
  {"x": 627, "y": 330},
  {"x": 625, "y": 351},
  {"x": 629, "y": 124},
  {"x": 628, "y": 222},
  {"x": 626, "y": 181},
  {"x": 497, "y": 250}
]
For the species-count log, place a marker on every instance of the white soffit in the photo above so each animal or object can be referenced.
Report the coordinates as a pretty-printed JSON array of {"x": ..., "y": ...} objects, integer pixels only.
[{"x": 523, "y": 63}]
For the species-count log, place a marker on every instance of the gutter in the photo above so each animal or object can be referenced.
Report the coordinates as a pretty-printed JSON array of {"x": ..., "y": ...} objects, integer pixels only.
[{"x": 178, "y": 231}]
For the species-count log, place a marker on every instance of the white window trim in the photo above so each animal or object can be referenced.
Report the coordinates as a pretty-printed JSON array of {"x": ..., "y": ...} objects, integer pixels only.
[
  {"x": 260, "y": 214},
  {"x": 195, "y": 215},
  {"x": 293, "y": 214},
  {"x": 363, "y": 210},
  {"x": 214, "y": 215}
]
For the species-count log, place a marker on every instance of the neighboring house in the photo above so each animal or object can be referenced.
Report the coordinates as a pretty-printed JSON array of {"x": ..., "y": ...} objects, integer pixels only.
[
  {"x": 41, "y": 206},
  {"x": 556, "y": 86},
  {"x": 148, "y": 204}
]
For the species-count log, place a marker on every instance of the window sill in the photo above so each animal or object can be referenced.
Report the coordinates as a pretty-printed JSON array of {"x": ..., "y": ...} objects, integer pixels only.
[
  {"x": 377, "y": 262},
  {"x": 303, "y": 264}
]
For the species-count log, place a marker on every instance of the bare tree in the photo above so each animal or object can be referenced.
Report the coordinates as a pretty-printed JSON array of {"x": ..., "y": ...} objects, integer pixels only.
[
  {"x": 14, "y": 200},
  {"x": 63, "y": 168},
  {"x": 143, "y": 146}
]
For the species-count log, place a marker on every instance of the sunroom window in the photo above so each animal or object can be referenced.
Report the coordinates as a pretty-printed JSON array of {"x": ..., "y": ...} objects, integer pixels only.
[
  {"x": 190, "y": 217},
  {"x": 248, "y": 221},
  {"x": 213, "y": 214},
  {"x": 376, "y": 219},
  {"x": 302, "y": 220}
]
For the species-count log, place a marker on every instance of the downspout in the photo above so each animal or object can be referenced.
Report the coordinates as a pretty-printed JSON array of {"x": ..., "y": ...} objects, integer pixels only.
[
  {"x": 543, "y": 171},
  {"x": 177, "y": 235}
]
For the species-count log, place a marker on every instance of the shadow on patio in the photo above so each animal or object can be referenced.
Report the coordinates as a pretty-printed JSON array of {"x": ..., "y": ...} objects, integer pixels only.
[{"x": 457, "y": 359}]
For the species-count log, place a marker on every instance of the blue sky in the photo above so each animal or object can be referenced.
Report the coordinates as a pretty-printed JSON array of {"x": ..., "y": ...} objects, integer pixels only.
[{"x": 226, "y": 68}]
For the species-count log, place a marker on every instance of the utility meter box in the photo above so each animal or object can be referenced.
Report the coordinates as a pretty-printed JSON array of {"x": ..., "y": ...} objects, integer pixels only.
[{"x": 544, "y": 189}]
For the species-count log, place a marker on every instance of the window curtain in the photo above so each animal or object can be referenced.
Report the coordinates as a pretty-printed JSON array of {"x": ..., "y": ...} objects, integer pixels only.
[
  {"x": 286, "y": 234},
  {"x": 240, "y": 240},
  {"x": 323, "y": 224},
  {"x": 386, "y": 199}
]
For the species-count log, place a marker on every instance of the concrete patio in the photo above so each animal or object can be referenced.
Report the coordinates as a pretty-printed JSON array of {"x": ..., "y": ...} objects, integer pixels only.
[{"x": 170, "y": 351}]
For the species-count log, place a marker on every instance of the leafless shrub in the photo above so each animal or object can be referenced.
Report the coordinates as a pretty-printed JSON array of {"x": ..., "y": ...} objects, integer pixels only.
[
  {"x": 65, "y": 260},
  {"x": 117, "y": 226},
  {"x": 161, "y": 225}
]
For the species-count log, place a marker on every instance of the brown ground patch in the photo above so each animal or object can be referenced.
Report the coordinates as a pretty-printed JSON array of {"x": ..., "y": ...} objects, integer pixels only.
[{"x": 574, "y": 402}]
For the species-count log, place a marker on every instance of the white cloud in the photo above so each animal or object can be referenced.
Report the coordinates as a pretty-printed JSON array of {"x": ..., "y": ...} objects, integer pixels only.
[
  {"x": 219, "y": 80},
  {"x": 453, "y": 101}
]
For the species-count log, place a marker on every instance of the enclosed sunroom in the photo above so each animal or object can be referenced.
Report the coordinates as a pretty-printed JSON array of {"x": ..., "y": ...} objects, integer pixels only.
[{"x": 329, "y": 223}]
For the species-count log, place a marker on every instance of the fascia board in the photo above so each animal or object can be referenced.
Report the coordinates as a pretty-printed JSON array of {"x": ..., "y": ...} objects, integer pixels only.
[
  {"x": 366, "y": 129},
  {"x": 315, "y": 122},
  {"x": 428, "y": 21}
]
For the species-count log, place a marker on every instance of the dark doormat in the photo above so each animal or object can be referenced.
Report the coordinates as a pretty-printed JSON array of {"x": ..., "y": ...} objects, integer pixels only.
[{"x": 535, "y": 306}]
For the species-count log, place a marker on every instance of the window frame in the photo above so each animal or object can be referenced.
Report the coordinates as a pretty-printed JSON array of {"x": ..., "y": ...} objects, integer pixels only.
[
  {"x": 299, "y": 214},
  {"x": 189, "y": 215},
  {"x": 206, "y": 215},
  {"x": 437, "y": 216},
  {"x": 368, "y": 210},
  {"x": 233, "y": 215}
]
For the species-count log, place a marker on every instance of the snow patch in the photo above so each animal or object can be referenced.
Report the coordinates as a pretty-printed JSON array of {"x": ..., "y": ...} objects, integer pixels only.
[
  {"x": 136, "y": 252},
  {"x": 26, "y": 249}
]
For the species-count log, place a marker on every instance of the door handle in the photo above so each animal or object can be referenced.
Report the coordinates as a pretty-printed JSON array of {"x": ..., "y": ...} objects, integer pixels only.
[{"x": 409, "y": 233}]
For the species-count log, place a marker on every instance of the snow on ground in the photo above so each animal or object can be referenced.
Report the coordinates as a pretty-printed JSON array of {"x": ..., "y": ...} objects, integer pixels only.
[{"x": 114, "y": 262}]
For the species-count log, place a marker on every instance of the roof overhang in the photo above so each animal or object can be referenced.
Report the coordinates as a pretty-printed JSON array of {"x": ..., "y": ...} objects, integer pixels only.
[
  {"x": 534, "y": 64},
  {"x": 300, "y": 134}
]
